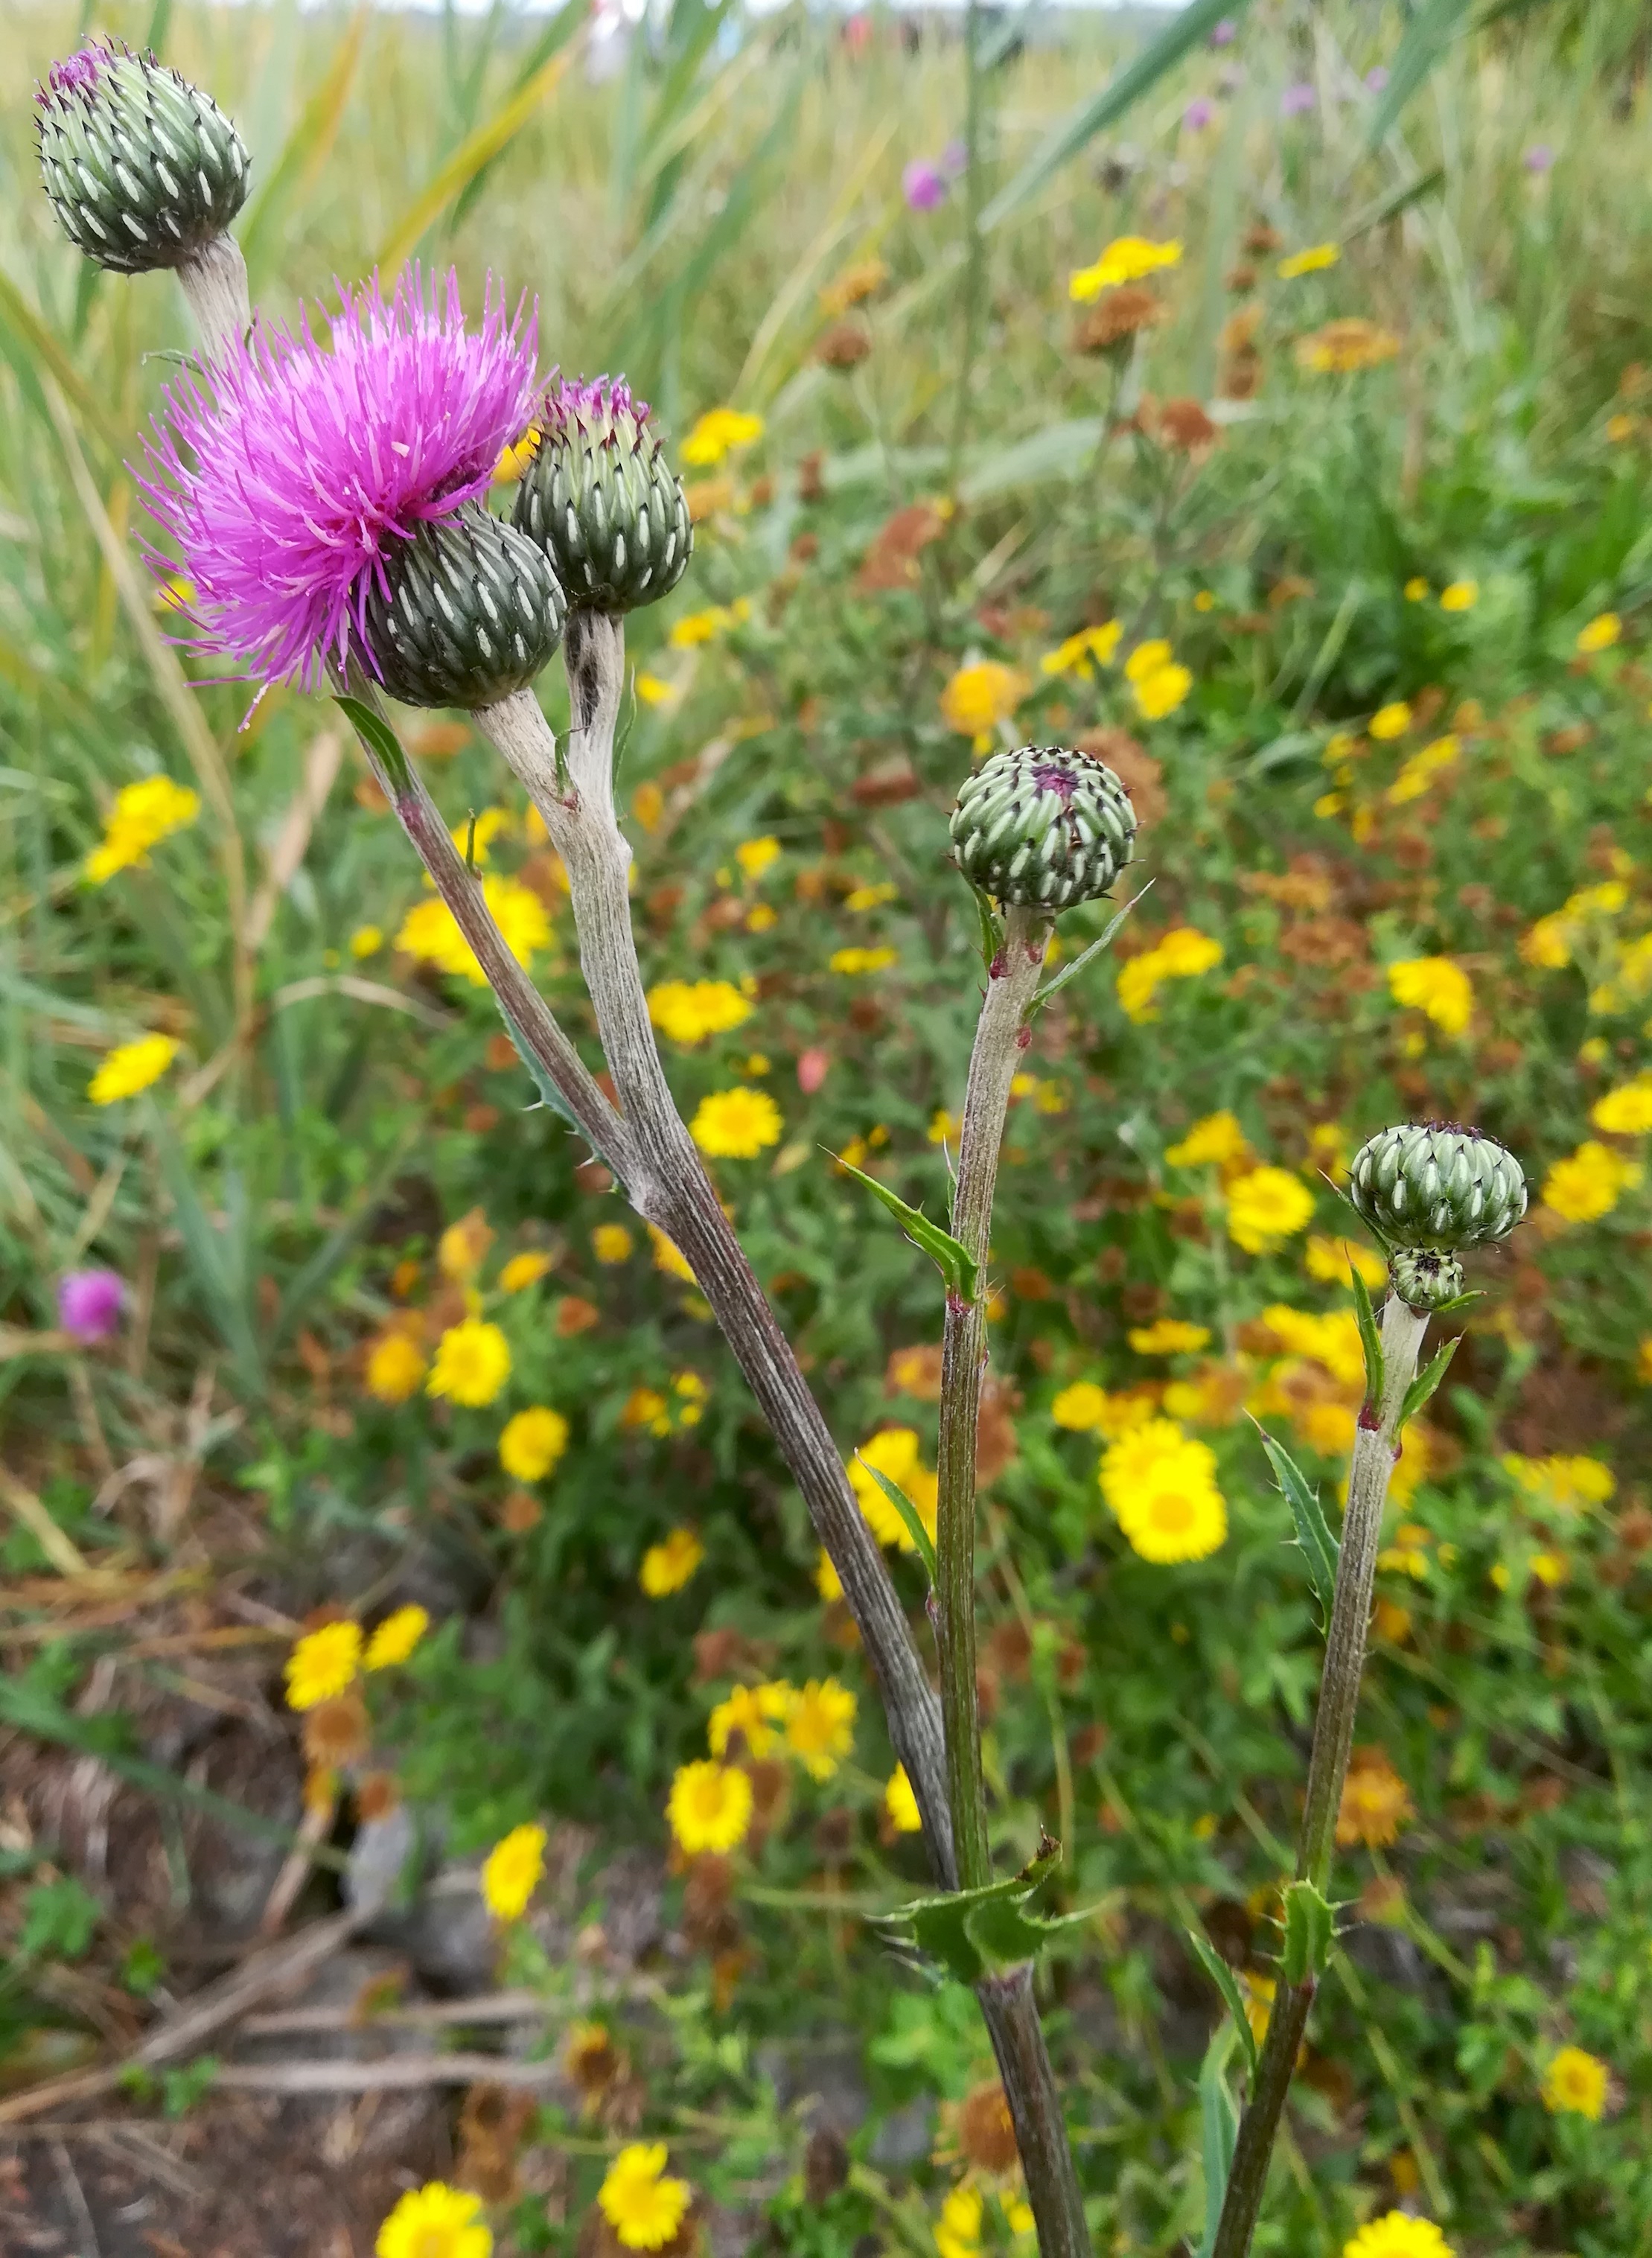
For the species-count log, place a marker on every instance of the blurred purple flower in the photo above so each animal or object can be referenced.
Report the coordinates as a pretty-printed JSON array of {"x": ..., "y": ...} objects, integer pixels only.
[
  {"x": 285, "y": 474},
  {"x": 81, "y": 73},
  {"x": 955, "y": 160},
  {"x": 1377, "y": 77},
  {"x": 1224, "y": 33},
  {"x": 1538, "y": 157},
  {"x": 1297, "y": 100},
  {"x": 924, "y": 185},
  {"x": 1198, "y": 114},
  {"x": 89, "y": 1303}
]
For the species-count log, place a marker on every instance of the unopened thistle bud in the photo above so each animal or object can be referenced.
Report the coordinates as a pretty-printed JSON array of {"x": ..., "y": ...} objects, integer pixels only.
[
  {"x": 1424, "y": 1279},
  {"x": 470, "y": 612},
  {"x": 602, "y": 501},
  {"x": 1435, "y": 1189},
  {"x": 142, "y": 169},
  {"x": 1041, "y": 827}
]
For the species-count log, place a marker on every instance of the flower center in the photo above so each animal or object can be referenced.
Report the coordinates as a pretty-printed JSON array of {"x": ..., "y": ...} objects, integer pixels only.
[{"x": 1172, "y": 1512}]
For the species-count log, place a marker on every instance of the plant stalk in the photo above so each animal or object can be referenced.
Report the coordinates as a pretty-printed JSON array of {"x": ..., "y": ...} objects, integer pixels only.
[{"x": 1375, "y": 1441}]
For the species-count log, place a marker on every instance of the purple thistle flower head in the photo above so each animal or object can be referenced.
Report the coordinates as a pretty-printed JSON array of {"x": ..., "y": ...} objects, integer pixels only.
[
  {"x": 1224, "y": 33},
  {"x": 89, "y": 1302},
  {"x": 604, "y": 401},
  {"x": 1538, "y": 157},
  {"x": 1198, "y": 114},
  {"x": 287, "y": 475},
  {"x": 82, "y": 72},
  {"x": 1297, "y": 100},
  {"x": 923, "y": 184}
]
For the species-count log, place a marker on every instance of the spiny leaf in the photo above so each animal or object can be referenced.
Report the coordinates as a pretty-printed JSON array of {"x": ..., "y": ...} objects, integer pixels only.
[
  {"x": 909, "y": 1514},
  {"x": 1310, "y": 1925},
  {"x": 1313, "y": 1530},
  {"x": 1427, "y": 1381},
  {"x": 1371, "y": 1340},
  {"x": 1228, "y": 1983},
  {"x": 548, "y": 1091},
  {"x": 959, "y": 1268}
]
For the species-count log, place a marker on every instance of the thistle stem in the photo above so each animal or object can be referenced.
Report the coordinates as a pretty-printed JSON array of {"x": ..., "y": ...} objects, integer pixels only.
[
  {"x": 667, "y": 1183},
  {"x": 1374, "y": 1451}
]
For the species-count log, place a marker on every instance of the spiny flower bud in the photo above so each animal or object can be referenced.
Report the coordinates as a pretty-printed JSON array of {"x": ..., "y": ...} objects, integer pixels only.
[
  {"x": 602, "y": 501},
  {"x": 468, "y": 611},
  {"x": 1424, "y": 1279},
  {"x": 142, "y": 169},
  {"x": 1042, "y": 827},
  {"x": 1437, "y": 1188}
]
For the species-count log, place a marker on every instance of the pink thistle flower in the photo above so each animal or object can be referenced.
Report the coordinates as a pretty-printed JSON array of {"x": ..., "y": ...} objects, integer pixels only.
[
  {"x": 89, "y": 1303},
  {"x": 288, "y": 472}
]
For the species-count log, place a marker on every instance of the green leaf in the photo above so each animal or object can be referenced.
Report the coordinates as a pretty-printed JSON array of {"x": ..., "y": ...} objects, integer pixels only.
[
  {"x": 908, "y": 1512},
  {"x": 1313, "y": 1530},
  {"x": 977, "y": 1932},
  {"x": 1310, "y": 1925},
  {"x": 1427, "y": 1381},
  {"x": 1071, "y": 972},
  {"x": 991, "y": 930},
  {"x": 307, "y": 147},
  {"x": 1430, "y": 30},
  {"x": 379, "y": 737},
  {"x": 548, "y": 1091},
  {"x": 1391, "y": 205},
  {"x": 1371, "y": 1340},
  {"x": 1121, "y": 93},
  {"x": 1218, "y": 2128},
  {"x": 220, "y": 1258},
  {"x": 959, "y": 1268},
  {"x": 1228, "y": 1983}
]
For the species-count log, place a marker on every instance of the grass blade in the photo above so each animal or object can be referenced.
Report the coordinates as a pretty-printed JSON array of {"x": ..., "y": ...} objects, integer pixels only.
[{"x": 308, "y": 145}]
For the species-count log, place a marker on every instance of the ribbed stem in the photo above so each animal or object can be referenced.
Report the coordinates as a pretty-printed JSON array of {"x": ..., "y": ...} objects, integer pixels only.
[{"x": 1374, "y": 1442}]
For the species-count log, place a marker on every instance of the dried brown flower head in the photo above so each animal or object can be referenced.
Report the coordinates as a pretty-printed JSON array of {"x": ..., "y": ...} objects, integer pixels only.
[
  {"x": 845, "y": 346},
  {"x": 1376, "y": 1802},
  {"x": 986, "y": 2130},
  {"x": 338, "y": 1732},
  {"x": 1341, "y": 348},
  {"x": 1184, "y": 425},
  {"x": 1115, "y": 317}
]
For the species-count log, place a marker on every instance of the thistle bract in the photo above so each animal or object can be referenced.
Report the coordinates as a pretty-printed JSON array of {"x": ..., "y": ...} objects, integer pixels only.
[
  {"x": 1041, "y": 827},
  {"x": 142, "y": 168},
  {"x": 1437, "y": 1188},
  {"x": 468, "y": 611},
  {"x": 602, "y": 501},
  {"x": 288, "y": 477},
  {"x": 1423, "y": 1278}
]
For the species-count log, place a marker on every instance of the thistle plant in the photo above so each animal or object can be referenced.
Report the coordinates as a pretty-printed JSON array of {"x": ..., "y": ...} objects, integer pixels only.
[{"x": 329, "y": 506}]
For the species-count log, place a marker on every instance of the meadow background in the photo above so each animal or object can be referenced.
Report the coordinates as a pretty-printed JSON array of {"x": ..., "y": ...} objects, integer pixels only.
[{"x": 1405, "y": 567}]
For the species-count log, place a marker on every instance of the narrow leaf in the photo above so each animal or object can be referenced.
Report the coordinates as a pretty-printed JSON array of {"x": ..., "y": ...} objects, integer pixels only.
[
  {"x": 961, "y": 1271},
  {"x": 1310, "y": 1927},
  {"x": 307, "y": 147},
  {"x": 1427, "y": 1381},
  {"x": 1430, "y": 30},
  {"x": 1071, "y": 972},
  {"x": 1391, "y": 205},
  {"x": 909, "y": 1514},
  {"x": 1121, "y": 93},
  {"x": 991, "y": 931},
  {"x": 379, "y": 737},
  {"x": 1218, "y": 2130},
  {"x": 1313, "y": 1530},
  {"x": 38, "y": 346},
  {"x": 1371, "y": 1340},
  {"x": 1228, "y": 1983}
]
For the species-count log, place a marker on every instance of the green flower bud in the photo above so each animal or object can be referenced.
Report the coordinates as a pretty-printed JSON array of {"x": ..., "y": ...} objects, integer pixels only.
[
  {"x": 142, "y": 169},
  {"x": 1424, "y": 1279},
  {"x": 602, "y": 501},
  {"x": 1437, "y": 1188},
  {"x": 470, "y": 612},
  {"x": 1042, "y": 827}
]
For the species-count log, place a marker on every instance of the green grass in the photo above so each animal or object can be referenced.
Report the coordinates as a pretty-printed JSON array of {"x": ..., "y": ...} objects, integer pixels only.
[{"x": 679, "y": 224}]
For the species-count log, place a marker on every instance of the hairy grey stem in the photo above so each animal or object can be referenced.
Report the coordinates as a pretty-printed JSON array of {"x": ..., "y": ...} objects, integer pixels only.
[
  {"x": 1374, "y": 1449},
  {"x": 667, "y": 1185},
  {"x": 215, "y": 282}
]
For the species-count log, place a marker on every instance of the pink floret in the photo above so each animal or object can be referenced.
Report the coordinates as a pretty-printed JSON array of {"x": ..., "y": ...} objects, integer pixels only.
[
  {"x": 81, "y": 73},
  {"x": 284, "y": 477}
]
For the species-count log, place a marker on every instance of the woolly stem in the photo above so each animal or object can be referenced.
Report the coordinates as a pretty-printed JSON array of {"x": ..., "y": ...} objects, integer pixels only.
[{"x": 1374, "y": 1451}]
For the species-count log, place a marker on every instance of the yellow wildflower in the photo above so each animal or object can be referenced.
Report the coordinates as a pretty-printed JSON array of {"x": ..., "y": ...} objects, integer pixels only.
[
  {"x": 1073, "y": 657},
  {"x": 611, "y": 1243},
  {"x": 958, "y": 2229},
  {"x": 901, "y": 1804},
  {"x": 820, "y": 1726},
  {"x": 1314, "y": 260},
  {"x": 1625, "y": 1111},
  {"x": 395, "y": 1638},
  {"x": 717, "y": 434},
  {"x": 1390, "y": 720},
  {"x": 131, "y": 1067},
  {"x": 828, "y": 1581},
  {"x": 430, "y": 934},
  {"x": 894, "y": 1451},
  {"x": 1211, "y": 1142},
  {"x": 1168, "y": 1337},
  {"x": 1331, "y": 1260},
  {"x": 685, "y": 1012},
  {"x": 1600, "y": 635},
  {"x": 477, "y": 833},
  {"x": 668, "y": 1258},
  {"x": 1127, "y": 258},
  {"x": 367, "y": 940},
  {"x": 754, "y": 856},
  {"x": 710, "y": 1807},
  {"x": 856, "y": 963},
  {"x": 472, "y": 1363},
  {"x": 1183, "y": 953},
  {"x": 978, "y": 697},
  {"x": 435, "y": 2221},
  {"x": 1160, "y": 1482},
  {"x": 511, "y": 1871},
  {"x": 1397, "y": 2234},
  {"x": 395, "y": 1365},
  {"x": 1161, "y": 691},
  {"x": 322, "y": 1665},
  {"x": 1460, "y": 596},
  {"x": 516, "y": 460},
  {"x": 736, "y": 1125},
  {"x": 668, "y": 1566},
  {"x": 1563, "y": 1484},
  {"x": 1434, "y": 986},
  {"x": 1575, "y": 2084},
  {"x": 532, "y": 1443},
  {"x": 758, "y": 1714},
  {"x": 1266, "y": 1206},
  {"x": 643, "y": 2207},
  {"x": 1589, "y": 1182},
  {"x": 1415, "y": 590},
  {"x": 463, "y": 1246},
  {"x": 522, "y": 1271},
  {"x": 1421, "y": 769},
  {"x": 142, "y": 815}
]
